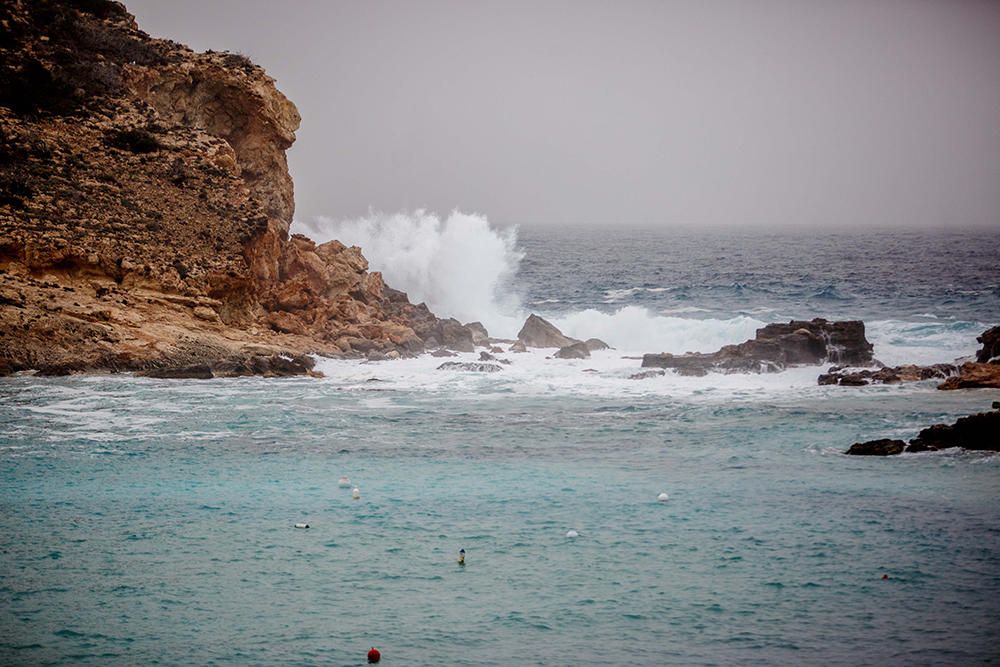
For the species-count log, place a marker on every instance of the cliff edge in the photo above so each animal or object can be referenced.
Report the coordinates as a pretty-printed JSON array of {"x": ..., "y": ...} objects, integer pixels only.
[{"x": 145, "y": 205}]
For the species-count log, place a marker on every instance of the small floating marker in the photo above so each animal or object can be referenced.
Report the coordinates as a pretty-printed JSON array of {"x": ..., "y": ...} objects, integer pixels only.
[
  {"x": 344, "y": 482},
  {"x": 374, "y": 655},
  {"x": 461, "y": 556},
  {"x": 572, "y": 533},
  {"x": 885, "y": 577},
  {"x": 356, "y": 494},
  {"x": 662, "y": 498},
  {"x": 302, "y": 525}
]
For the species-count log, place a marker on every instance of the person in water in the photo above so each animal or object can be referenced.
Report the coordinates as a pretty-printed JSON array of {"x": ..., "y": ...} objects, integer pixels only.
[{"x": 461, "y": 556}]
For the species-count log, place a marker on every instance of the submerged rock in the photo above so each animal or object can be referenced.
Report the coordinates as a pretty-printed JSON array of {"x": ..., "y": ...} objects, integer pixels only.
[
  {"x": 883, "y": 447},
  {"x": 574, "y": 351},
  {"x": 645, "y": 375},
  {"x": 776, "y": 347},
  {"x": 196, "y": 372},
  {"x": 539, "y": 332},
  {"x": 469, "y": 366}
]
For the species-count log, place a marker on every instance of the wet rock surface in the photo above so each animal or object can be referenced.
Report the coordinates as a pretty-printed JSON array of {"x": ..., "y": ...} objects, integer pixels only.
[
  {"x": 858, "y": 377},
  {"x": 539, "y": 332},
  {"x": 883, "y": 447},
  {"x": 776, "y": 347},
  {"x": 470, "y": 366},
  {"x": 979, "y": 432}
]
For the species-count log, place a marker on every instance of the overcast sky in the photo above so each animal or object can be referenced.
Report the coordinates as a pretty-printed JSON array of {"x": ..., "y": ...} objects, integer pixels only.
[{"x": 776, "y": 112}]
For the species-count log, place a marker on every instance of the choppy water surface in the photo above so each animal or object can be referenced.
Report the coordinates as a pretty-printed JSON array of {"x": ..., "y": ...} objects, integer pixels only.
[{"x": 146, "y": 521}]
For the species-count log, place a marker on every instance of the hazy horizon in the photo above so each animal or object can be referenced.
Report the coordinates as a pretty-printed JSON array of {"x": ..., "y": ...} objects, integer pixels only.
[{"x": 882, "y": 114}]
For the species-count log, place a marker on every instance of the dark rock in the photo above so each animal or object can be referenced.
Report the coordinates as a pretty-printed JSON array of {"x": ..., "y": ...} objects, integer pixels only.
[
  {"x": 486, "y": 356},
  {"x": 196, "y": 372},
  {"x": 443, "y": 353},
  {"x": 974, "y": 376},
  {"x": 574, "y": 351},
  {"x": 990, "y": 354},
  {"x": 977, "y": 432},
  {"x": 644, "y": 375},
  {"x": 376, "y": 355},
  {"x": 496, "y": 349},
  {"x": 471, "y": 367},
  {"x": 860, "y": 377},
  {"x": 777, "y": 346},
  {"x": 595, "y": 344},
  {"x": 538, "y": 332},
  {"x": 884, "y": 447}
]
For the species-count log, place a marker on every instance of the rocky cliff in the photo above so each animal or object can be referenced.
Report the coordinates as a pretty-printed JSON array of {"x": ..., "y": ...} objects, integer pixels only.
[{"x": 145, "y": 205}]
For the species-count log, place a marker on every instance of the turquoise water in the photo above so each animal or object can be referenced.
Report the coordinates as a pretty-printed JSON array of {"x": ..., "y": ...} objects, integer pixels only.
[{"x": 151, "y": 522}]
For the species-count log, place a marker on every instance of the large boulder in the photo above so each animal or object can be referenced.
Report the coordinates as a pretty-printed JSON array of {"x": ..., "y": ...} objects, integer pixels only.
[
  {"x": 539, "y": 332},
  {"x": 574, "y": 351},
  {"x": 978, "y": 432},
  {"x": 776, "y": 347},
  {"x": 990, "y": 354}
]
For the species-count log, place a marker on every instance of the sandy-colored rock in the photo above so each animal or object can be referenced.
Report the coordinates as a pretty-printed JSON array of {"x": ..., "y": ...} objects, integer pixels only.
[{"x": 974, "y": 376}]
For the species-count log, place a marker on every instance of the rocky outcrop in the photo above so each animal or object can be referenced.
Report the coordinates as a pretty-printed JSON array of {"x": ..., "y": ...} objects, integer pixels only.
[
  {"x": 776, "y": 347},
  {"x": 883, "y": 447},
  {"x": 145, "y": 205},
  {"x": 858, "y": 377},
  {"x": 990, "y": 352},
  {"x": 979, "y": 432},
  {"x": 539, "y": 332},
  {"x": 974, "y": 376}
]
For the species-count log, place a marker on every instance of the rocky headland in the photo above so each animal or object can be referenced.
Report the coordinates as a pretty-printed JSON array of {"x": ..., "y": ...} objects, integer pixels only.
[{"x": 145, "y": 205}]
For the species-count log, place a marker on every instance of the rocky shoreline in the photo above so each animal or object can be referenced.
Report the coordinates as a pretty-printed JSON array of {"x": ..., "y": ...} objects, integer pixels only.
[{"x": 145, "y": 205}]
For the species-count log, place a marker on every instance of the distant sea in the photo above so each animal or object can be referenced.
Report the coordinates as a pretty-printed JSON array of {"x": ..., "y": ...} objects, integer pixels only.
[{"x": 148, "y": 521}]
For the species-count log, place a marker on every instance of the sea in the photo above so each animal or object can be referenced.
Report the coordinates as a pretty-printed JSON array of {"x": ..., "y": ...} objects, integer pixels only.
[{"x": 148, "y": 521}]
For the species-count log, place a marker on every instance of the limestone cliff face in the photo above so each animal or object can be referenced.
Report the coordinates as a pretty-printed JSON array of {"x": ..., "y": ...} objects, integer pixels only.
[{"x": 145, "y": 204}]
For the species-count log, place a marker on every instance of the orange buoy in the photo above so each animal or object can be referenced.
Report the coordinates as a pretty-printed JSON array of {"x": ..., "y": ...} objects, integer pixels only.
[{"x": 373, "y": 655}]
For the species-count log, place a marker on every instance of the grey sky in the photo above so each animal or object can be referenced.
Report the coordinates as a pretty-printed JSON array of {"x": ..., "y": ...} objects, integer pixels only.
[{"x": 781, "y": 112}]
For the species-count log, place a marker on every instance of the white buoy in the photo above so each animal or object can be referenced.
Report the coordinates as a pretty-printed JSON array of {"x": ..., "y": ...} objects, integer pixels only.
[
  {"x": 663, "y": 497},
  {"x": 571, "y": 534},
  {"x": 344, "y": 482},
  {"x": 302, "y": 525},
  {"x": 356, "y": 494}
]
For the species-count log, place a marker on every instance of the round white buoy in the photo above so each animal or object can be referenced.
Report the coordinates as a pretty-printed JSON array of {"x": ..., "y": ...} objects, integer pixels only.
[
  {"x": 571, "y": 534},
  {"x": 663, "y": 497},
  {"x": 356, "y": 494},
  {"x": 344, "y": 482},
  {"x": 302, "y": 525}
]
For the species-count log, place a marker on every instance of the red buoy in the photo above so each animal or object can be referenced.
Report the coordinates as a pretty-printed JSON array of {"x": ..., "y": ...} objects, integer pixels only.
[
  {"x": 373, "y": 655},
  {"x": 884, "y": 577}
]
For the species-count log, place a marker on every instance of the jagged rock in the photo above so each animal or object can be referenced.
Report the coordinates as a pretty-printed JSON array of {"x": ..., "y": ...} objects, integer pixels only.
[
  {"x": 645, "y": 375},
  {"x": 496, "y": 349},
  {"x": 471, "y": 367},
  {"x": 595, "y": 344},
  {"x": 538, "y": 332},
  {"x": 883, "y": 447},
  {"x": 443, "y": 353},
  {"x": 518, "y": 347},
  {"x": 777, "y": 346},
  {"x": 990, "y": 352},
  {"x": 859, "y": 377},
  {"x": 574, "y": 351},
  {"x": 974, "y": 376},
  {"x": 479, "y": 334},
  {"x": 977, "y": 432},
  {"x": 486, "y": 356}
]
